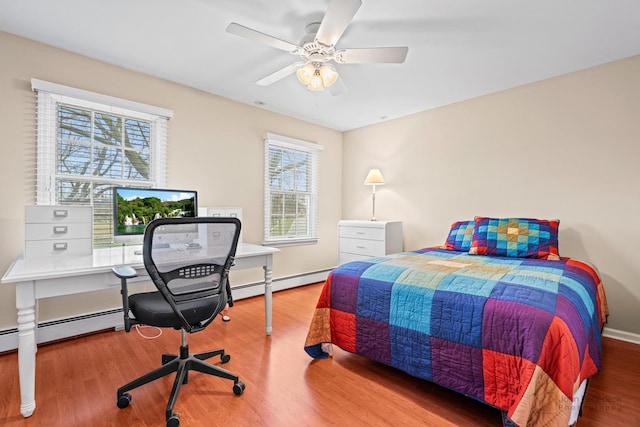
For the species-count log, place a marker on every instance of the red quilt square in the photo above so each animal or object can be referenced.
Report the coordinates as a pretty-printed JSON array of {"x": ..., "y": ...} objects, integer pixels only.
[
  {"x": 560, "y": 357},
  {"x": 343, "y": 326},
  {"x": 505, "y": 378}
]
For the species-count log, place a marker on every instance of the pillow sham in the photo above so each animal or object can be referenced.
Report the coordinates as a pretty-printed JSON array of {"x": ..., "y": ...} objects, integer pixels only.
[
  {"x": 515, "y": 237},
  {"x": 460, "y": 236}
]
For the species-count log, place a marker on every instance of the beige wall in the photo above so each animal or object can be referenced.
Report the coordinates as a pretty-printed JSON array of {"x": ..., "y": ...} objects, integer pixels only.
[
  {"x": 215, "y": 147},
  {"x": 564, "y": 148},
  {"x": 567, "y": 148}
]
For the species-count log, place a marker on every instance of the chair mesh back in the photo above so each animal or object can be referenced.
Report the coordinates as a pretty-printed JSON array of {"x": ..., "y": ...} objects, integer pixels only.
[{"x": 191, "y": 254}]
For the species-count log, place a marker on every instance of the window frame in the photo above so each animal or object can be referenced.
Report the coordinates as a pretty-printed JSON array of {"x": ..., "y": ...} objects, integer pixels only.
[
  {"x": 48, "y": 97},
  {"x": 312, "y": 150}
]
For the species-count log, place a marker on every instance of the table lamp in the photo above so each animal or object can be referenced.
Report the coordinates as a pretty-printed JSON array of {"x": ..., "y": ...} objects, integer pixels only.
[{"x": 374, "y": 178}]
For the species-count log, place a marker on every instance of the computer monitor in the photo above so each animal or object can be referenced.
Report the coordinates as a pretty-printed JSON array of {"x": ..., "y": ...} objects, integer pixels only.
[{"x": 134, "y": 208}]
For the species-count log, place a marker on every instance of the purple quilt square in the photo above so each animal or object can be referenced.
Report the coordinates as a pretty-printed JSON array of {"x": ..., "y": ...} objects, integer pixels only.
[
  {"x": 344, "y": 293},
  {"x": 372, "y": 340},
  {"x": 569, "y": 314},
  {"x": 515, "y": 329},
  {"x": 458, "y": 367}
]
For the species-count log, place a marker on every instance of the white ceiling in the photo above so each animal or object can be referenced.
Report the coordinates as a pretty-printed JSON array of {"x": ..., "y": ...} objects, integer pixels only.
[{"x": 458, "y": 49}]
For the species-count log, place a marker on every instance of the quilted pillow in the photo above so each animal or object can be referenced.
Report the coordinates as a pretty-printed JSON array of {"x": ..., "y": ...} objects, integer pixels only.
[
  {"x": 460, "y": 236},
  {"x": 515, "y": 237}
]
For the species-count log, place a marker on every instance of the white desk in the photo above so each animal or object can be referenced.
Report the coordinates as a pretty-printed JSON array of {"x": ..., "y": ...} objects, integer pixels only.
[{"x": 40, "y": 278}]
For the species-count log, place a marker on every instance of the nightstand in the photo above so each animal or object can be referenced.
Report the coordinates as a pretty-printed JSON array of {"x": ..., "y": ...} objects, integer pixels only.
[{"x": 359, "y": 240}]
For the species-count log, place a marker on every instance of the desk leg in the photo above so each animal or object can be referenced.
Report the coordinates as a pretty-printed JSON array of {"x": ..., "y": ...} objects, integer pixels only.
[
  {"x": 268, "y": 295},
  {"x": 26, "y": 304}
]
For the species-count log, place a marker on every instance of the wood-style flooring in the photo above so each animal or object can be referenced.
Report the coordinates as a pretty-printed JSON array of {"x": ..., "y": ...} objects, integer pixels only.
[{"x": 77, "y": 381}]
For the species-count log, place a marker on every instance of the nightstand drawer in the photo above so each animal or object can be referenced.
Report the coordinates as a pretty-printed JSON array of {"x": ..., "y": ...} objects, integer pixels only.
[
  {"x": 362, "y": 232},
  {"x": 362, "y": 247},
  {"x": 358, "y": 239}
]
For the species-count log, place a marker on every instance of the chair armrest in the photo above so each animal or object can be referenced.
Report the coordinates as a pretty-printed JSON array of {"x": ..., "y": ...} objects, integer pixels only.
[{"x": 124, "y": 272}]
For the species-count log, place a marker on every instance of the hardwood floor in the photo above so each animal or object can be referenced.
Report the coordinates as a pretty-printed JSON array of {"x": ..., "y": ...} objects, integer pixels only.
[{"x": 77, "y": 381}]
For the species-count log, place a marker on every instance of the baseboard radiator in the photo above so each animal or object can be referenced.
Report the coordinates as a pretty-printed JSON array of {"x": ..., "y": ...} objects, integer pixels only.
[{"x": 58, "y": 329}]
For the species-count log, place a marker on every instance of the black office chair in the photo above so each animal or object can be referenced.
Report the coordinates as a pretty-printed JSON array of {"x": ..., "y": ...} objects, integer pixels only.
[{"x": 188, "y": 260}]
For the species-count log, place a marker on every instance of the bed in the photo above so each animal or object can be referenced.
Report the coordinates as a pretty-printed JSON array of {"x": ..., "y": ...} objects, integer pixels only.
[{"x": 512, "y": 325}]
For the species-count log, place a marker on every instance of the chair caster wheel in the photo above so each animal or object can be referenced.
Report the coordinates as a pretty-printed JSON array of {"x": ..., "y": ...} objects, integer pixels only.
[
  {"x": 124, "y": 400},
  {"x": 225, "y": 358},
  {"x": 238, "y": 388},
  {"x": 173, "y": 421}
]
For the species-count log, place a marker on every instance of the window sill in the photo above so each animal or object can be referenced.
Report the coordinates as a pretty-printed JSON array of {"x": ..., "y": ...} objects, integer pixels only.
[{"x": 290, "y": 242}]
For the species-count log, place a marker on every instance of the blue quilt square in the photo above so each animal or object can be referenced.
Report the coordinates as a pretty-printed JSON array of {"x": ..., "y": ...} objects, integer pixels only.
[
  {"x": 353, "y": 268},
  {"x": 463, "y": 283},
  {"x": 383, "y": 272},
  {"x": 457, "y": 317},
  {"x": 526, "y": 295},
  {"x": 374, "y": 300},
  {"x": 411, "y": 352},
  {"x": 578, "y": 285},
  {"x": 411, "y": 307}
]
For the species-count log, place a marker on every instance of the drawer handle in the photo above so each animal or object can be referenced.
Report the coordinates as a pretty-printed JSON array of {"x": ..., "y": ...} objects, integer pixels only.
[
  {"x": 60, "y": 229},
  {"x": 361, "y": 247},
  {"x": 60, "y": 246},
  {"x": 60, "y": 213},
  {"x": 359, "y": 232}
]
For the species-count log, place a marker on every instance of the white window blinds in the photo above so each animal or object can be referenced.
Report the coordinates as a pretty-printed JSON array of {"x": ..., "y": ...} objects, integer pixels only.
[
  {"x": 290, "y": 190},
  {"x": 88, "y": 142}
]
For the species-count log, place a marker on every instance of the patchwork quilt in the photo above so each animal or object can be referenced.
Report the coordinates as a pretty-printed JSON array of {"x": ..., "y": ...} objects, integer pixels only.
[{"x": 519, "y": 334}]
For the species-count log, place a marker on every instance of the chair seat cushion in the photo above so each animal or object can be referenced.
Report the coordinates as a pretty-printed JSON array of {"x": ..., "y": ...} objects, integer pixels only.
[{"x": 150, "y": 308}]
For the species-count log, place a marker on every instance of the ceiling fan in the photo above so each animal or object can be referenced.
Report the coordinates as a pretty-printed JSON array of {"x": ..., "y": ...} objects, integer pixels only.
[{"x": 317, "y": 50}]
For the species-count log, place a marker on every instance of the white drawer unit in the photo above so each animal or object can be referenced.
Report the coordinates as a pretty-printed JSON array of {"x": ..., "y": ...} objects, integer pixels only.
[
  {"x": 359, "y": 240},
  {"x": 223, "y": 212},
  {"x": 58, "y": 231}
]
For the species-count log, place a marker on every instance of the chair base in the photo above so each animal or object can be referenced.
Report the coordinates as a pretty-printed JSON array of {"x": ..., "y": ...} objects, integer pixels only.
[{"x": 181, "y": 364}]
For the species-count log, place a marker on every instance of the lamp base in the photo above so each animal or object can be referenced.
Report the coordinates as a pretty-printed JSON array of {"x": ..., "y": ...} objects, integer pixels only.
[{"x": 373, "y": 218}]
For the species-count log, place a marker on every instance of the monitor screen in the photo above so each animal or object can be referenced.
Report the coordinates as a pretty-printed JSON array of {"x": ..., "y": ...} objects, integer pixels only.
[{"x": 134, "y": 208}]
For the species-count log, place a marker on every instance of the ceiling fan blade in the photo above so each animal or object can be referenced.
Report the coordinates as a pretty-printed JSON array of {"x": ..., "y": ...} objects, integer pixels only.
[
  {"x": 280, "y": 74},
  {"x": 389, "y": 55},
  {"x": 257, "y": 36},
  {"x": 338, "y": 88},
  {"x": 338, "y": 16}
]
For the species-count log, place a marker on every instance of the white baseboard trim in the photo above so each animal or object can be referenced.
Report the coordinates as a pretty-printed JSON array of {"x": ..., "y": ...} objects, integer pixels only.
[
  {"x": 255, "y": 289},
  {"x": 107, "y": 319},
  {"x": 621, "y": 335}
]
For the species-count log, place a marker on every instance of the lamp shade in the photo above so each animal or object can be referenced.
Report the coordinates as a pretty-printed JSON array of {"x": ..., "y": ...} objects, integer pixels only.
[
  {"x": 305, "y": 73},
  {"x": 316, "y": 76},
  {"x": 316, "y": 82},
  {"x": 328, "y": 74},
  {"x": 374, "y": 178}
]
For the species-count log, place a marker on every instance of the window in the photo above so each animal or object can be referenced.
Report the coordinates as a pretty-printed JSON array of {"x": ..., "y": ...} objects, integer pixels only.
[
  {"x": 290, "y": 190},
  {"x": 88, "y": 142}
]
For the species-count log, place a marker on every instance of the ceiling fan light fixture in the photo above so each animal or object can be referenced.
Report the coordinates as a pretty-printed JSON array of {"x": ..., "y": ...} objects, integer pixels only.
[
  {"x": 305, "y": 74},
  {"x": 328, "y": 74},
  {"x": 316, "y": 84}
]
